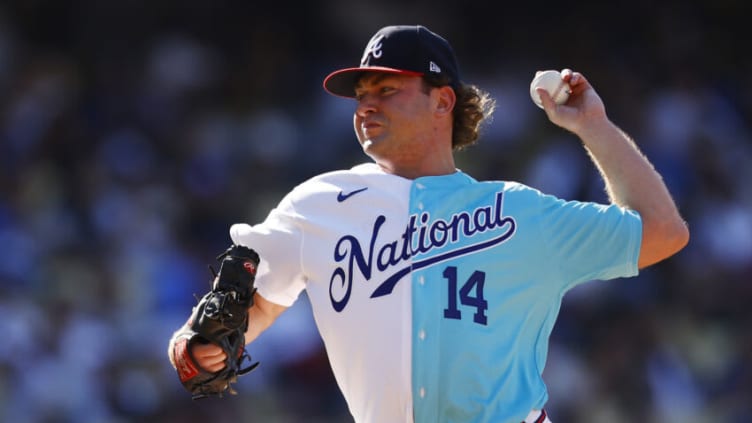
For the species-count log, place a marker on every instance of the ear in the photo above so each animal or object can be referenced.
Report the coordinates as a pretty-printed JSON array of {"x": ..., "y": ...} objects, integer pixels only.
[{"x": 445, "y": 99}]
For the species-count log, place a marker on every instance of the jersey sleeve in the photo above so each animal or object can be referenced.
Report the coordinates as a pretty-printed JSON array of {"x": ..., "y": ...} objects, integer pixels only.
[
  {"x": 277, "y": 240},
  {"x": 588, "y": 241}
]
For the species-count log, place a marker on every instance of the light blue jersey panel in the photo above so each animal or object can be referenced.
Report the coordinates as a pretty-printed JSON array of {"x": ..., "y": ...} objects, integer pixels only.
[{"x": 492, "y": 261}]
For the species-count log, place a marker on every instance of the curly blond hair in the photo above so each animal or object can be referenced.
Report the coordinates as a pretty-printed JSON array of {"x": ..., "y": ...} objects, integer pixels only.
[{"x": 474, "y": 107}]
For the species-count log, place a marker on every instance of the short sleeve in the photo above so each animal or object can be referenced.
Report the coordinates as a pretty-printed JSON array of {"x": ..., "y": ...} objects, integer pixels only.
[
  {"x": 588, "y": 241},
  {"x": 277, "y": 240}
]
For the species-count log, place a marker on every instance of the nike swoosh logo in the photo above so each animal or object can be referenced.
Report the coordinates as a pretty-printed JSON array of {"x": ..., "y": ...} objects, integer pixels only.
[{"x": 344, "y": 196}]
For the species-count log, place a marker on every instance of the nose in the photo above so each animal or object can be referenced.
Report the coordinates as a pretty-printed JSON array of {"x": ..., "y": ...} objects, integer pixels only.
[{"x": 366, "y": 104}]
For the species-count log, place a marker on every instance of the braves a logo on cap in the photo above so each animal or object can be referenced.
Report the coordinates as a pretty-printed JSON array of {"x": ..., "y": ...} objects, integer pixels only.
[{"x": 373, "y": 49}]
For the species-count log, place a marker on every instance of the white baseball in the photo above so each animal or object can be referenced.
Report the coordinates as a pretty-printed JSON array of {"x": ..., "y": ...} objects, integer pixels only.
[{"x": 551, "y": 81}]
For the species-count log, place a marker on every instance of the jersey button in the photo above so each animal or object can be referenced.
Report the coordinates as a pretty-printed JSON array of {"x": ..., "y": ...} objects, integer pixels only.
[
  {"x": 422, "y": 334},
  {"x": 422, "y": 280},
  {"x": 422, "y": 392}
]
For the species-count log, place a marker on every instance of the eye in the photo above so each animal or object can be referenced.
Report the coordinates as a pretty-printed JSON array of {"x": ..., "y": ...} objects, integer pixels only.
[{"x": 386, "y": 89}]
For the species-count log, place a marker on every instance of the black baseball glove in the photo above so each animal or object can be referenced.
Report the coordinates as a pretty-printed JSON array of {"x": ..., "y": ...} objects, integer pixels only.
[{"x": 220, "y": 317}]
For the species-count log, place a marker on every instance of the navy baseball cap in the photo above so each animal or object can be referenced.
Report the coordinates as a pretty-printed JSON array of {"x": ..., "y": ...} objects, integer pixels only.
[{"x": 402, "y": 50}]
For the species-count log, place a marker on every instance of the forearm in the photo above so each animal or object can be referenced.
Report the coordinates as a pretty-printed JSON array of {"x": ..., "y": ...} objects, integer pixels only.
[
  {"x": 261, "y": 316},
  {"x": 632, "y": 182}
]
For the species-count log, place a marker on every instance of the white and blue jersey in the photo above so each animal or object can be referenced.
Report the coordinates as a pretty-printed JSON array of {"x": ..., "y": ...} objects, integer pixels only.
[{"x": 436, "y": 297}]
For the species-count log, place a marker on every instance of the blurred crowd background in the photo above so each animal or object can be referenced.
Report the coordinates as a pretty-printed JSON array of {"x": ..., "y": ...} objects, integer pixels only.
[{"x": 134, "y": 133}]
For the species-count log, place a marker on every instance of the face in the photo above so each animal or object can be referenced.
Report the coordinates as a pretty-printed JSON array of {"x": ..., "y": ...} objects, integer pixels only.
[{"x": 394, "y": 116}]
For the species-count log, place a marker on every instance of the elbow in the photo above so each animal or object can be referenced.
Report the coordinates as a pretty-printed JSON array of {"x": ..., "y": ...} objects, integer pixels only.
[
  {"x": 680, "y": 236},
  {"x": 662, "y": 240},
  {"x": 676, "y": 237}
]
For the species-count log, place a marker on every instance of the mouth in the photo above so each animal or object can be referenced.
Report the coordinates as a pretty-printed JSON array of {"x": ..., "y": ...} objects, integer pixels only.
[{"x": 369, "y": 125}]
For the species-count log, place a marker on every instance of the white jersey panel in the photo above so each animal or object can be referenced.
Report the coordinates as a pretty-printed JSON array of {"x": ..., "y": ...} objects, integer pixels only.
[{"x": 340, "y": 236}]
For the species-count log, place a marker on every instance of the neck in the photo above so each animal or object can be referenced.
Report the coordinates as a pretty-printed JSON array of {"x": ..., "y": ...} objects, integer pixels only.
[
  {"x": 433, "y": 166},
  {"x": 427, "y": 155}
]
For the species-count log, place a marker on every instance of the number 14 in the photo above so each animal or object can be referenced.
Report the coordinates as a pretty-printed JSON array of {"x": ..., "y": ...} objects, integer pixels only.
[{"x": 474, "y": 282}]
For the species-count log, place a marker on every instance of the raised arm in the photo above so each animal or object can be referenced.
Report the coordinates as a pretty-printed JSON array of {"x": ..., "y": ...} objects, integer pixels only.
[{"x": 631, "y": 180}]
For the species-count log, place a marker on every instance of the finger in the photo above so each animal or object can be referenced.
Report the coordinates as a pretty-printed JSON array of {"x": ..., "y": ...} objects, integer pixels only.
[
  {"x": 578, "y": 82},
  {"x": 212, "y": 366},
  {"x": 572, "y": 78},
  {"x": 207, "y": 351},
  {"x": 546, "y": 100},
  {"x": 210, "y": 357}
]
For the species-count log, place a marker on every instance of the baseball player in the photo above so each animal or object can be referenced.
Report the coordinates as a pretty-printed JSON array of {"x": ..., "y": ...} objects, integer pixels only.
[{"x": 435, "y": 294}]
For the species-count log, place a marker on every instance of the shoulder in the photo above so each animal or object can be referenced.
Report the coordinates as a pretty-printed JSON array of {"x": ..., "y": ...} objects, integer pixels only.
[
  {"x": 335, "y": 182},
  {"x": 513, "y": 188},
  {"x": 355, "y": 173},
  {"x": 323, "y": 184}
]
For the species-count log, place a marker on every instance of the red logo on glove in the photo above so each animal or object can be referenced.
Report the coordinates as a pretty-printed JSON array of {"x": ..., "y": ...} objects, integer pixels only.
[
  {"x": 183, "y": 362},
  {"x": 249, "y": 267}
]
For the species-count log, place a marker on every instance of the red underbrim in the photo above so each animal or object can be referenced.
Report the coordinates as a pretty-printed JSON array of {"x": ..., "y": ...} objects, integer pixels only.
[{"x": 342, "y": 82}]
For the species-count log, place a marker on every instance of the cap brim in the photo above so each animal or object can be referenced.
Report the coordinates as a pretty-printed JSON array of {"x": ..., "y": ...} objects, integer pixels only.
[{"x": 342, "y": 82}]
